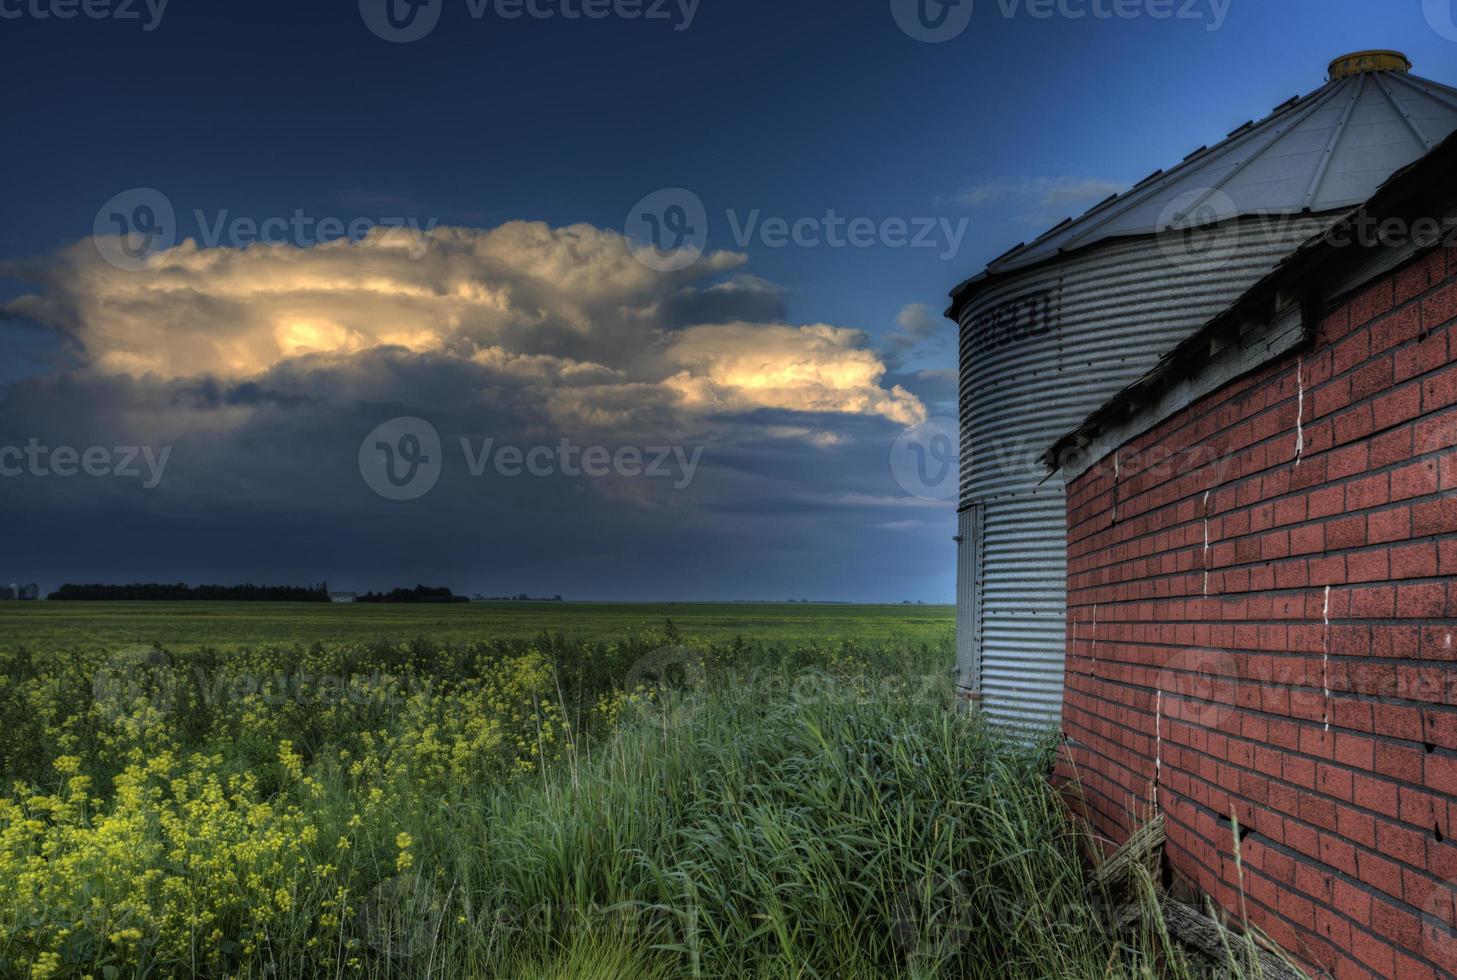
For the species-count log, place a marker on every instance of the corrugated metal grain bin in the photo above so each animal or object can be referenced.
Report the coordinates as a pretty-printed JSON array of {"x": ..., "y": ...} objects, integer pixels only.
[{"x": 1055, "y": 328}]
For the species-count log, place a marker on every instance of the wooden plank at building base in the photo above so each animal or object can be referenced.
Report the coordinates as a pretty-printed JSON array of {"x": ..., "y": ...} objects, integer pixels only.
[
  {"x": 1142, "y": 849},
  {"x": 1204, "y": 934}
]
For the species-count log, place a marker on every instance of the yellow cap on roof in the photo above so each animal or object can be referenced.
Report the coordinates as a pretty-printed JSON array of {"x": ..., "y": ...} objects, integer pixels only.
[{"x": 1359, "y": 62}]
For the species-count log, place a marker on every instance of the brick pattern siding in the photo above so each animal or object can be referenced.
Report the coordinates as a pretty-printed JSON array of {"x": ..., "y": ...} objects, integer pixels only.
[{"x": 1262, "y": 620}]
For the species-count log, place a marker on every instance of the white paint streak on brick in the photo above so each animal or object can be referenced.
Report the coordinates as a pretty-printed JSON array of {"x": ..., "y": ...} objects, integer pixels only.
[
  {"x": 1117, "y": 471},
  {"x": 1325, "y": 660},
  {"x": 1206, "y": 542},
  {"x": 1299, "y": 410},
  {"x": 1158, "y": 755}
]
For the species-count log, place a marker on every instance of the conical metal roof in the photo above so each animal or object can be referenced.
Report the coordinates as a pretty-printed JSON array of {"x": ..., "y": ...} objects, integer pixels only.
[{"x": 1327, "y": 151}]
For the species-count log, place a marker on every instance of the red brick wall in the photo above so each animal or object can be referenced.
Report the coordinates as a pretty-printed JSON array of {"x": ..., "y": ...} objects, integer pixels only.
[{"x": 1300, "y": 668}]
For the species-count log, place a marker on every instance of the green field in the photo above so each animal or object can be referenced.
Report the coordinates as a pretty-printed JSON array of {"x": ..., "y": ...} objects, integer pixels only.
[
  {"x": 532, "y": 791},
  {"x": 237, "y": 625}
]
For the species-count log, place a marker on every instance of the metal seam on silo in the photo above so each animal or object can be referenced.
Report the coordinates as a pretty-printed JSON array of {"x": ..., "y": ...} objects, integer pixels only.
[
  {"x": 1240, "y": 167},
  {"x": 1231, "y": 143},
  {"x": 1436, "y": 91},
  {"x": 1330, "y": 149},
  {"x": 1400, "y": 110}
]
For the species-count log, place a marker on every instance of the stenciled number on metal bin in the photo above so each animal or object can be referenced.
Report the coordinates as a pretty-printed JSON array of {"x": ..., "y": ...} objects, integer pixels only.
[{"x": 1013, "y": 322}]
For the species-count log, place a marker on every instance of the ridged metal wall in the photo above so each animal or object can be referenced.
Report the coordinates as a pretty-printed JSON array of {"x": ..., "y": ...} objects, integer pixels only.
[
  {"x": 968, "y": 590},
  {"x": 1039, "y": 352}
]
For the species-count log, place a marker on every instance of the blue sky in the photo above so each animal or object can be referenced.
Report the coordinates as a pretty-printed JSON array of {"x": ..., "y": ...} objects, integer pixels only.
[{"x": 787, "y": 110}]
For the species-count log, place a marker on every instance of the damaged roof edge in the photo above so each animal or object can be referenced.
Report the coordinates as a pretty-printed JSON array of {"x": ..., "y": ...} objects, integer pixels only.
[{"x": 1322, "y": 254}]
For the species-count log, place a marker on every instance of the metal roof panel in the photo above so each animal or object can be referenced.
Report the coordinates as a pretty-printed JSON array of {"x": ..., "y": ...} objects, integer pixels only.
[{"x": 1325, "y": 151}]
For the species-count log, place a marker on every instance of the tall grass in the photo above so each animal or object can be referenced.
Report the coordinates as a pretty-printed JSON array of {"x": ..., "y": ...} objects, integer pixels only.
[
  {"x": 770, "y": 824},
  {"x": 863, "y": 832},
  {"x": 799, "y": 812}
]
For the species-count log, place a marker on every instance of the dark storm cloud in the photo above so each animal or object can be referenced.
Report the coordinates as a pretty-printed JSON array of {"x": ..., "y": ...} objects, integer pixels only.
[{"x": 260, "y": 374}]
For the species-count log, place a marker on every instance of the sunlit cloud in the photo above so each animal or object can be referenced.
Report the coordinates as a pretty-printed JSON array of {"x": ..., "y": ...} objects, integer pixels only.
[
  {"x": 819, "y": 368},
  {"x": 567, "y": 309}
]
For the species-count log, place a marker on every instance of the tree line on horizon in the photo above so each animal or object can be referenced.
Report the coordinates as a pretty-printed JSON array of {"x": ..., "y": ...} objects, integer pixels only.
[
  {"x": 166, "y": 592},
  {"x": 420, "y": 593},
  {"x": 156, "y": 591}
]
